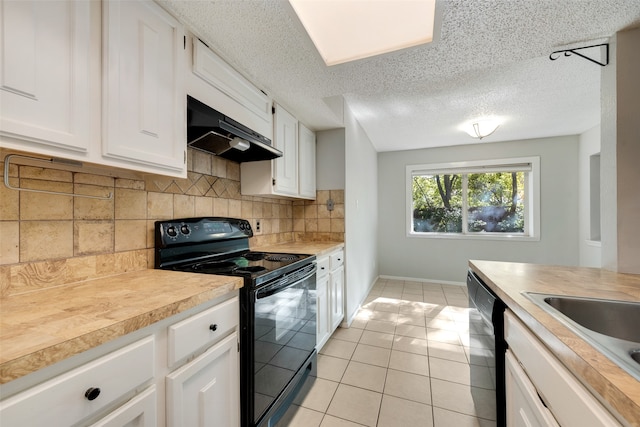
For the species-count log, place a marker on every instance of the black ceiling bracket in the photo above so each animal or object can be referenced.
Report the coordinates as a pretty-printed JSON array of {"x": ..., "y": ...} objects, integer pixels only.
[{"x": 568, "y": 52}]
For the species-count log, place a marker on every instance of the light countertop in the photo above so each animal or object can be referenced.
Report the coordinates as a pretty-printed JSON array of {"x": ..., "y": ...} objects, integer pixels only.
[
  {"x": 40, "y": 328},
  {"x": 612, "y": 385}
]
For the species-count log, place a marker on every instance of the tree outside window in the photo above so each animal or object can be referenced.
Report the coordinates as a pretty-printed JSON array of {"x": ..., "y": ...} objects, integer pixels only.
[{"x": 471, "y": 202}]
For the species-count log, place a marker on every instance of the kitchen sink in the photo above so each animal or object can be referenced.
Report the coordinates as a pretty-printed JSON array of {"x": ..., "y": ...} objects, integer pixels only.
[{"x": 611, "y": 326}]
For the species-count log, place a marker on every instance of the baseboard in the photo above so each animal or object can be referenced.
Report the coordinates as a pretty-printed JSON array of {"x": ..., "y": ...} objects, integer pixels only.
[
  {"x": 349, "y": 319},
  {"x": 415, "y": 279}
]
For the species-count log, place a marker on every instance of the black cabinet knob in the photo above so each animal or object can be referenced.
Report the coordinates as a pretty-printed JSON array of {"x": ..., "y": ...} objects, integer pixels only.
[
  {"x": 213, "y": 327},
  {"x": 92, "y": 393}
]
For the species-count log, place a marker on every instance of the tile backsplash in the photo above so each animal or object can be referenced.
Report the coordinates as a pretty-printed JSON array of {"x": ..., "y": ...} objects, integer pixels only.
[{"x": 45, "y": 237}]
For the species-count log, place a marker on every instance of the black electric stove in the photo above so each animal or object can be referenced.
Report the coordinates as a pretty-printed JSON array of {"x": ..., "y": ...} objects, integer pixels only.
[{"x": 277, "y": 307}]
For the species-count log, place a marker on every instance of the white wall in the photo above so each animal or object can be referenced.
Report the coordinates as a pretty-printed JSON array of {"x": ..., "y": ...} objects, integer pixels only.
[
  {"x": 446, "y": 259},
  {"x": 330, "y": 158},
  {"x": 361, "y": 214},
  {"x": 590, "y": 252}
]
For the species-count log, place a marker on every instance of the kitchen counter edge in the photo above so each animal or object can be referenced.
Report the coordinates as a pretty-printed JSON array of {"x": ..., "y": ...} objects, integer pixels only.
[
  {"x": 43, "y": 327},
  {"x": 614, "y": 387}
]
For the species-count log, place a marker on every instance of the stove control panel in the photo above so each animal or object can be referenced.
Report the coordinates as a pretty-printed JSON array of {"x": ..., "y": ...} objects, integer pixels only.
[{"x": 200, "y": 230}]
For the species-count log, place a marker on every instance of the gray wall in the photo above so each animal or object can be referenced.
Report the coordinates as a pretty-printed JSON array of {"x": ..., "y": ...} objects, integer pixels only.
[
  {"x": 590, "y": 255},
  {"x": 446, "y": 260},
  {"x": 330, "y": 167},
  {"x": 620, "y": 151}
]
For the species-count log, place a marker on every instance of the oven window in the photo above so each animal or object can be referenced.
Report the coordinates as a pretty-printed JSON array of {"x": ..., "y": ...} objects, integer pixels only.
[{"x": 284, "y": 337}]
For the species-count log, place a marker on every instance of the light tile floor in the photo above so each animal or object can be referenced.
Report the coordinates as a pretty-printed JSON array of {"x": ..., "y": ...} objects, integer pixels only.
[{"x": 404, "y": 361}]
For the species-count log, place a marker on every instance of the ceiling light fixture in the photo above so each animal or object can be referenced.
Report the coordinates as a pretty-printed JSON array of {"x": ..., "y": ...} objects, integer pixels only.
[
  {"x": 482, "y": 128},
  {"x": 347, "y": 30}
]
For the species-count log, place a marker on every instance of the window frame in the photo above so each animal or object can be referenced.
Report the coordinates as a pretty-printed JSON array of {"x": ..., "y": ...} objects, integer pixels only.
[{"x": 532, "y": 199}]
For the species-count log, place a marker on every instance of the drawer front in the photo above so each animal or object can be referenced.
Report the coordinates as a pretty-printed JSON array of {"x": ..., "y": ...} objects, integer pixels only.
[
  {"x": 569, "y": 401},
  {"x": 64, "y": 400},
  {"x": 202, "y": 329},
  {"x": 141, "y": 411},
  {"x": 323, "y": 267},
  {"x": 337, "y": 259},
  {"x": 524, "y": 407}
]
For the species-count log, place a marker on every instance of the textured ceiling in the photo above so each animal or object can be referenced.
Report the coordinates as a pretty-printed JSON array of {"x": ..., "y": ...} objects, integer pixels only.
[{"x": 490, "y": 58}]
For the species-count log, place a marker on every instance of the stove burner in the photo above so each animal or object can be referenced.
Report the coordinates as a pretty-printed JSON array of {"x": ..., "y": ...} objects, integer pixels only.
[
  {"x": 282, "y": 257},
  {"x": 215, "y": 266},
  {"x": 254, "y": 256},
  {"x": 254, "y": 269}
]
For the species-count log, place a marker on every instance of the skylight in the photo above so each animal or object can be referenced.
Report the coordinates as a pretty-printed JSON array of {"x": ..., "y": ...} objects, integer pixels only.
[{"x": 347, "y": 30}]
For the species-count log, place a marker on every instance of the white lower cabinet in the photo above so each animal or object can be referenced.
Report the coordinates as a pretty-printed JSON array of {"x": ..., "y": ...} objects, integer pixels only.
[
  {"x": 336, "y": 288},
  {"x": 141, "y": 411},
  {"x": 323, "y": 329},
  {"x": 206, "y": 391},
  {"x": 330, "y": 295},
  {"x": 524, "y": 407},
  {"x": 142, "y": 379},
  {"x": 540, "y": 390}
]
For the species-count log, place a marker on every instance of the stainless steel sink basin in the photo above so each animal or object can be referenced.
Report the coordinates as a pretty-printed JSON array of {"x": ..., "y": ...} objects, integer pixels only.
[
  {"x": 609, "y": 325},
  {"x": 618, "y": 319}
]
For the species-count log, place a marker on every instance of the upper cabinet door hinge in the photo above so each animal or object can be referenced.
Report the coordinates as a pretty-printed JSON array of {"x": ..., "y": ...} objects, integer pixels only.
[
  {"x": 184, "y": 44},
  {"x": 273, "y": 181},
  {"x": 273, "y": 109}
]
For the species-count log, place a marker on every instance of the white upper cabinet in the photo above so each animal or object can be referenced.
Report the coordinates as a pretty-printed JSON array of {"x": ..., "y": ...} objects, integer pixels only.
[
  {"x": 293, "y": 174},
  {"x": 228, "y": 91},
  {"x": 285, "y": 139},
  {"x": 49, "y": 76},
  {"x": 144, "y": 94},
  {"x": 306, "y": 162}
]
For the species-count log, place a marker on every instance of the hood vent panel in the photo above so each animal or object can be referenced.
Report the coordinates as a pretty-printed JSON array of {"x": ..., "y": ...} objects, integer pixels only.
[{"x": 211, "y": 131}]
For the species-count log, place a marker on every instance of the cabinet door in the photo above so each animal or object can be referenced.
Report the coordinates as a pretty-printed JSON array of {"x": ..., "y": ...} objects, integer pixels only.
[
  {"x": 141, "y": 411},
  {"x": 46, "y": 78},
  {"x": 524, "y": 407},
  {"x": 145, "y": 102},
  {"x": 206, "y": 391},
  {"x": 285, "y": 134},
  {"x": 323, "y": 329},
  {"x": 307, "y": 162},
  {"x": 337, "y": 296}
]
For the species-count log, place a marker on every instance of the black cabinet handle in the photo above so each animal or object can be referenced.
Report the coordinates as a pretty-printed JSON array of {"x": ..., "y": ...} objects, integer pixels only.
[
  {"x": 92, "y": 393},
  {"x": 213, "y": 327}
]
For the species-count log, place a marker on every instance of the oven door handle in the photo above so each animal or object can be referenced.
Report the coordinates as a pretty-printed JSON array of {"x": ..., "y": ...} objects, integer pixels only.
[{"x": 286, "y": 282}]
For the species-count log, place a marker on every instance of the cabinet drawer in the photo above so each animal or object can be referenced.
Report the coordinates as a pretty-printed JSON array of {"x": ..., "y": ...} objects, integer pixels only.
[
  {"x": 524, "y": 407},
  {"x": 323, "y": 266},
  {"x": 141, "y": 411},
  {"x": 569, "y": 401},
  {"x": 61, "y": 401},
  {"x": 202, "y": 329},
  {"x": 337, "y": 259}
]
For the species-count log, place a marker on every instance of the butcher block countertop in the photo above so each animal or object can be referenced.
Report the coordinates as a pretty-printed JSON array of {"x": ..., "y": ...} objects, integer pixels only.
[
  {"x": 40, "y": 328},
  {"x": 612, "y": 385}
]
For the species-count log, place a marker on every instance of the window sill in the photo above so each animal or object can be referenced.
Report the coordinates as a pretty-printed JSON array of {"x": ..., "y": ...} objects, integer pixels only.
[{"x": 479, "y": 236}]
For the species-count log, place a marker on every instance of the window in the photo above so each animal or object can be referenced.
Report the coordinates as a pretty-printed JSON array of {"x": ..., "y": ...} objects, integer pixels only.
[{"x": 496, "y": 199}]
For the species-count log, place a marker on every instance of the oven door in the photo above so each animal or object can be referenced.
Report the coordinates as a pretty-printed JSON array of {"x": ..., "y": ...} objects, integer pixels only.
[{"x": 283, "y": 342}]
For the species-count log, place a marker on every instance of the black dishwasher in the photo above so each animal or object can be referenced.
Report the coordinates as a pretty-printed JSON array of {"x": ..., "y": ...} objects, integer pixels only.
[{"x": 488, "y": 347}]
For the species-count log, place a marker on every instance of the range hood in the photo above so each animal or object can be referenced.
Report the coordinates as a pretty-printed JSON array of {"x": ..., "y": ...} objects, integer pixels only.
[{"x": 211, "y": 131}]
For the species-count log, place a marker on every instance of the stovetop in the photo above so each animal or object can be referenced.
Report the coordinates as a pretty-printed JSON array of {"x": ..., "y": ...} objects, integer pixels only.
[
  {"x": 242, "y": 263},
  {"x": 215, "y": 245}
]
